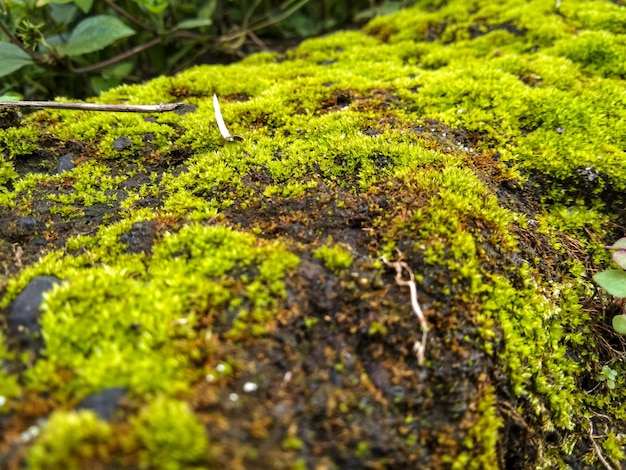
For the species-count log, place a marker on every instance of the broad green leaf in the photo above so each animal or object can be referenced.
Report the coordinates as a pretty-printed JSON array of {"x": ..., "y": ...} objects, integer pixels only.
[
  {"x": 621, "y": 243},
  {"x": 11, "y": 96},
  {"x": 96, "y": 33},
  {"x": 620, "y": 258},
  {"x": 84, "y": 5},
  {"x": 619, "y": 324},
  {"x": 613, "y": 281},
  {"x": 63, "y": 14},
  {"x": 193, "y": 23},
  {"x": 153, "y": 6},
  {"x": 12, "y": 58}
]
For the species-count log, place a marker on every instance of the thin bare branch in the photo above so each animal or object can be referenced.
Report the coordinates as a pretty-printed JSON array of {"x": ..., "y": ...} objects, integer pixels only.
[
  {"x": 119, "y": 108},
  {"x": 118, "y": 58},
  {"x": 596, "y": 447},
  {"x": 128, "y": 16},
  {"x": 419, "y": 348}
]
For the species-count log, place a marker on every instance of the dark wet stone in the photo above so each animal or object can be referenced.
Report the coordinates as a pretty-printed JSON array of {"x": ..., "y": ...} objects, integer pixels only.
[
  {"x": 140, "y": 237},
  {"x": 104, "y": 402},
  {"x": 149, "y": 202},
  {"x": 122, "y": 143},
  {"x": 328, "y": 62},
  {"x": 372, "y": 132},
  {"x": 66, "y": 163},
  {"x": 24, "y": 311},
  {"x": 28, "y": 225},
  {"x": 188, "y": 108}
]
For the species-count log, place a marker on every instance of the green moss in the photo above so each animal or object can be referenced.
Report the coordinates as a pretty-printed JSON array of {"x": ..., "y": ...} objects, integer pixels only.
[
  {"x": 169, "y": 437},
  {"x": 480, "y": 445},
  {"x": 334, "y": 257},
  {"x": 482, "y": 140},
  {"x": 100, "y": 324},
  {"x": 15, "y": 142},
  {"x": 70, "y": 440}
]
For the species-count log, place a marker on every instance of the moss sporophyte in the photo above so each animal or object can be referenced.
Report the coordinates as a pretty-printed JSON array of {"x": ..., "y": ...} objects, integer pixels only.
[{"x": 246, "y": 303}]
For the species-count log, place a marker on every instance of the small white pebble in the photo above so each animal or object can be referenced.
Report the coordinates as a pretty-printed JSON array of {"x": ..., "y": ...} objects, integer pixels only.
[
  {"x": 233, "y": 397},
  {"x": 287, "y": 376},
  {"x": 250, "y": 387},
  {"x": 210, "y": 377},
  {"x": 29, "y": 434},
  {"x": 220, "y": 368},
  {"x": 3, "y": 401}
]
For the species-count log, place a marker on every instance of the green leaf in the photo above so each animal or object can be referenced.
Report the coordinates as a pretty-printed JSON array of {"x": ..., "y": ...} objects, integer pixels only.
[
  {"x": 96, "y": 33},
  {"x": 613, "y": 281},
  {"x": 84, "y": 5},
  {"x": 11, "y": 96},
  {"x": 620, "y": 258},
  {"x": 63, "y": 14},
  {"x": 621, "y": 243},
  {"x": 153, "y": 6},
  {"x": 193, "y": 23},
  {"x": 619, "y": 324},
  {"x": 12, "y": 58}
]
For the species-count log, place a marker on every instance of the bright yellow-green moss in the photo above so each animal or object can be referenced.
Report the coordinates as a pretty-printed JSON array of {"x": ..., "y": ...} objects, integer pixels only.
[
  {"x": 480, "y": 138},
  {"x": 101, "y": 324},
  {"x": 69, "y": 440},
  {"x": 480, "y": 446},
  {"x": 334, "y": 257},
  {"x": 169, "y": 437}
]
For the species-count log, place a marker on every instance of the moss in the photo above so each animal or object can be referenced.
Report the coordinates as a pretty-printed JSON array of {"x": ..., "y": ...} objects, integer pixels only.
[
  {"x": 169, "y": 436},
  {"x": 116, "y": 336},
  {"x": 480, "y": 143},
  {"x": 481, "y": 443},
  {"x": 334, "y": 257},
  {"x": 70, "y": 440}
]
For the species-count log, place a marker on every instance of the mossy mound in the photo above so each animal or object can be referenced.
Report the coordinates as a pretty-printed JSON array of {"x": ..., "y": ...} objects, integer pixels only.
[{"x": 249, "y": 304}]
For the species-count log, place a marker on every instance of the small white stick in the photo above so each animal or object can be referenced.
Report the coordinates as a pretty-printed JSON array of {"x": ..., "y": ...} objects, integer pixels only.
[
  {"x": 220, "y": 122},
  {"x": 419, "y": 348}
]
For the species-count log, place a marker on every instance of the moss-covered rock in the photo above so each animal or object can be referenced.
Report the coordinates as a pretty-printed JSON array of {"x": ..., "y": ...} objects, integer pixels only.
[{"x": 258, "y": 302}]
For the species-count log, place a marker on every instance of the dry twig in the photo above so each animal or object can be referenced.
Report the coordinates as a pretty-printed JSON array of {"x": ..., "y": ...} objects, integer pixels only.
[
  {"x": 419, "y": 348},
  {"x": 596, "y": 447},
  {"x": 119, "y": 108}
]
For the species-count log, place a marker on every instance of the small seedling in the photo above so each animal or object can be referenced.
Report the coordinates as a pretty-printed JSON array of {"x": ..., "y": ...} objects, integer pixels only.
[
  {"x": 614, "y": 281},
  {"x": 609, "y": 376}
]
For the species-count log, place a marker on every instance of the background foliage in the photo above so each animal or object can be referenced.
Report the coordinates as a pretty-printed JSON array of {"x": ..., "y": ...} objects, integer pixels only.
[{"x": 80, "y": 47}]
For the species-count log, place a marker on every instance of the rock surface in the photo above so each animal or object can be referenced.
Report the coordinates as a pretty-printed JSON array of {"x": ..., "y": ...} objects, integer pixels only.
[{"x": 262, "y": 302}]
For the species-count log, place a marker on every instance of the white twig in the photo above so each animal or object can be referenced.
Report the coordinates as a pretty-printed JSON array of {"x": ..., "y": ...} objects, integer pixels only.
[
  {"x": 220, "y": 122},
  {"x": 419, "y": 348},
  {"x": 597, "y": 447},
  {"x": 119, "y": 108}
]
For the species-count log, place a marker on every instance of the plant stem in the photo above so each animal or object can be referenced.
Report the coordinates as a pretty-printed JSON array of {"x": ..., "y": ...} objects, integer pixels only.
[{"x": 121, "y": 108}]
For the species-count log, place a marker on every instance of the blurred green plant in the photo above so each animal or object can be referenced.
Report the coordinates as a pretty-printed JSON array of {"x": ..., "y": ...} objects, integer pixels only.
[
  {"x": 609, "y": 376},
  {"x": 614, "y": 282},
  {"x": 81, "y": 47}
]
